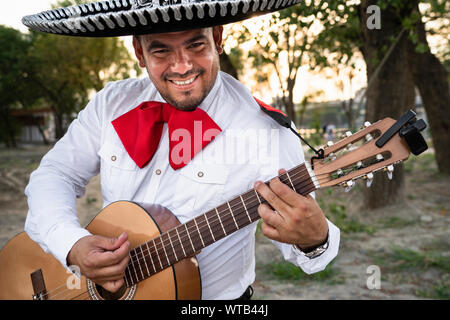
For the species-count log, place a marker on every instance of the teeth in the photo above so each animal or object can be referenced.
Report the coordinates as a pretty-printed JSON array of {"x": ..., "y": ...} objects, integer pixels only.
[{"x": 182, "y": 83}]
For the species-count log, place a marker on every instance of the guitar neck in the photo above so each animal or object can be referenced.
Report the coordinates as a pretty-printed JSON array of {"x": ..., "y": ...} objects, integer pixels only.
[{"x": 189, "y": 238}]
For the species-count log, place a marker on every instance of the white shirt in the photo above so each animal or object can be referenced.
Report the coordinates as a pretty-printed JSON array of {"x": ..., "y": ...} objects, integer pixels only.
[{"x": 251, "y": 147}]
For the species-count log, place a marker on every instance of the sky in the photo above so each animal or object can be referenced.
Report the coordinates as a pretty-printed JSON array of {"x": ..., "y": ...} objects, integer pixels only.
[{"x": 13, "y": 10}]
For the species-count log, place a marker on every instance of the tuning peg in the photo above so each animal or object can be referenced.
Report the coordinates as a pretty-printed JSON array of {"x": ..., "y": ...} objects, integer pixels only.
[
  {"x": 348, "y": 185},
  {"x": 368, "y": 136},
  {"x": 350, "y": 147},
  {"x": 330, "y": 143},
  {"x": 365, "y": 125},
  {"x": 379, "y": 157},
  {"x": 390, "y": 170},
  {"x": 332, "y": 156},
  {"x": 369, "y": 179},
  {"x": 343, "y": 135}
]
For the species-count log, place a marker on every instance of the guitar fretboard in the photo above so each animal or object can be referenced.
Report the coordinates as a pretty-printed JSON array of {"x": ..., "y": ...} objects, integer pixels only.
[{"x": 188, "y": 238}]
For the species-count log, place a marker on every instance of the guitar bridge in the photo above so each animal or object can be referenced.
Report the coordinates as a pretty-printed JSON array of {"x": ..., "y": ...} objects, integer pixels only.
[{"x": 37, "y": 280}]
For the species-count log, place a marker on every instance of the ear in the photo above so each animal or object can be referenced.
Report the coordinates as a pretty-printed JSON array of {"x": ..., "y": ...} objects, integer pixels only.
[
  {"x": 138, "y": 52},
  {"x": 217, "y": 36}
]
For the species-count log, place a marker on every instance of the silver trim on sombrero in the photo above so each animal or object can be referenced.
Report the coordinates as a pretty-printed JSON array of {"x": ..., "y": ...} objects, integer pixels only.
[{"x": 70, "y": 20}]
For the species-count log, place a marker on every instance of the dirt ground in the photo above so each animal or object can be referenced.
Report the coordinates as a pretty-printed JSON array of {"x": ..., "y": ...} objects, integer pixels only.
[{"x": 407, "y": 245}]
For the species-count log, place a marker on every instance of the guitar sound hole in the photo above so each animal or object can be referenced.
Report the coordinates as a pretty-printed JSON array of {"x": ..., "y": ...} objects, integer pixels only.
[{"x": 107, "y": 295}]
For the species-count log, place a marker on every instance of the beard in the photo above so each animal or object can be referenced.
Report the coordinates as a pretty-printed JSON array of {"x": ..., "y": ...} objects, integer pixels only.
[{"x": 187, "y": 102}]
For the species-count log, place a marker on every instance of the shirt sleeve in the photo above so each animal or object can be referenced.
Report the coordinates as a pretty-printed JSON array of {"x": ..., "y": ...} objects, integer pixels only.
[
  {"x": 290, "y": 154},
  {"x": 61, "y": 177}
]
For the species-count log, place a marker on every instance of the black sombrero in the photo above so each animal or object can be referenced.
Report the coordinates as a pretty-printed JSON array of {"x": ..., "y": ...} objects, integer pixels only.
[{"x": 132, "y": 17}]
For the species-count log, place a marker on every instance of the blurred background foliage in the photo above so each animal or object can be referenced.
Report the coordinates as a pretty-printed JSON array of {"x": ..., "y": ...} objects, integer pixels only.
[{"x": 335, "y": 40}]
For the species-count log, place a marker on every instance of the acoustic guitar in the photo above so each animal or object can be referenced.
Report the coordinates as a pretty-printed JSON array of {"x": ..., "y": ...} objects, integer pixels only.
[{"x": 162, "y": 262}]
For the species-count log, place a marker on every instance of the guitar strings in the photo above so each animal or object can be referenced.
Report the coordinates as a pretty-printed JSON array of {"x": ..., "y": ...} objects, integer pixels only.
[
  {"x": 206, "y": 223},
  {"x": 53, "y": 296},
  {"x": 294, "y": 177},
  {"x": 175, "y": 239},
  {"x": 303, "y": 172},
  {"x": 157, "y": 250}
]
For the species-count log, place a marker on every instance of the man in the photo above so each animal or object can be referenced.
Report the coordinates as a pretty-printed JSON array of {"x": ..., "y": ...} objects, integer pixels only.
[{"x": 183, "y": 71}]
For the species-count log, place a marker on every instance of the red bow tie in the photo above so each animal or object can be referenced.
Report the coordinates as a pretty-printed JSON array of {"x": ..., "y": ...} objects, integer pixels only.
[{"x": 140, "y": 131}]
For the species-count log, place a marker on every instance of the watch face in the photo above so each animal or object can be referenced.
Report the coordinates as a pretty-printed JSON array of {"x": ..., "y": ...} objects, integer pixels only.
[{"x": 316, "y": 252}]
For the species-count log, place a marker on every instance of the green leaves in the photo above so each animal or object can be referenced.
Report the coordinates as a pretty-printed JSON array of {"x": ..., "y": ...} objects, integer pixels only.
[
  {"x": 13, "y": 65},
  {"x": 67, "y": 69},
  {"x": 58, "y": 72}
]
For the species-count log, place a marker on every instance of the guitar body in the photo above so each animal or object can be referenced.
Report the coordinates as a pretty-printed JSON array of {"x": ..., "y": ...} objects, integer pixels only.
[{"x": 21, "y": 256}]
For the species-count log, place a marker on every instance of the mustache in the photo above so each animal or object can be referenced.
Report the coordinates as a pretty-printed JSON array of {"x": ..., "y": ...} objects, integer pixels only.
[{"x": 194, "y": 71}]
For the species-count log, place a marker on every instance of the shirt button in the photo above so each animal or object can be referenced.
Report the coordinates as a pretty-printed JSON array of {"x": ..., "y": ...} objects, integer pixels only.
[
  {"x": 200, "y": 174},
  {"x": 113, "y": 158},
  {"x": 158, "y": 172}
]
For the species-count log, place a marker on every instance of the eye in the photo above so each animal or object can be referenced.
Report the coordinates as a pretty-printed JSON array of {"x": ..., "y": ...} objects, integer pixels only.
[
  {"x": 196, "y": 45},
  {"x": 160, "y": 52}
]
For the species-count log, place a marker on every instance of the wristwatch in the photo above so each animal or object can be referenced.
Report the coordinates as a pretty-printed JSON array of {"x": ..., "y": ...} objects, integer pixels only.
[{"x": 315, "y": 252}]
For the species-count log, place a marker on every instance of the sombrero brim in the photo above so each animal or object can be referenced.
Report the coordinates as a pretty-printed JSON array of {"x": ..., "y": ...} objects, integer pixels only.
[{"x": 132, "y": 17}]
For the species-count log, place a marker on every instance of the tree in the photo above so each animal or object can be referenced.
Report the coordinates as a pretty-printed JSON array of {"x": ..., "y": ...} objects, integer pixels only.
[
  {"x": 337, "y": 48},
  {"x": 14, "y": 83},
  {"x": 391, "y": 91},
  {"x": 398, "y": 58},
  {"x": 431, "y": 78},
  {"x": 284, "y": 43},
  {"x": 344, "y": 74},
  {"x": 226, "y": 65},
  {"x": 67, "y": 69}
]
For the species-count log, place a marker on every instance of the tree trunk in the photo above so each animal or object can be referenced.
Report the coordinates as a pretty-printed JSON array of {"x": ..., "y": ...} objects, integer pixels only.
[
  {"x": 59, "y": 130},
  {"x": 227, "y": 66},
  {"x": 41, "y": 131},
  {"x": 301, "y": 114},
  {"x": 347, "y": 106},
  {"x": 390, "y": 94},
  {"x": 8, "y": 129},
  {"x": 290, "y": 107},
  {"x": 431, "y": 79}
]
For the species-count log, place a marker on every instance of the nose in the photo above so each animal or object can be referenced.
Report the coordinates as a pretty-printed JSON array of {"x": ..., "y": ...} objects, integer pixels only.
[{"x": 181, "y": 62}]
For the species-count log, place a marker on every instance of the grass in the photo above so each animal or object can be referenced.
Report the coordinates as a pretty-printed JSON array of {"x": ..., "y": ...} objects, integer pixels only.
[
  {"x": 438, "y": 291},
  {"x": 337, "y": 213},
  {"x": 282, "y": 270},
  {"x": 394, "y": 222},
  {"x": 406, "y": 261},
  {"x": 424, "y": 163},
  {"x": 401, "y": 259}
]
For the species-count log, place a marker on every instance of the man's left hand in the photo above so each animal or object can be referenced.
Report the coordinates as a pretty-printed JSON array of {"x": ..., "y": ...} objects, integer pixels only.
[{"x": 296, "y": 220}]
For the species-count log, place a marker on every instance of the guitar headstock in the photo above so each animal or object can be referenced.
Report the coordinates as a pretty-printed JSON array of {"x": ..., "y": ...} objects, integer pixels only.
[{"x": 357, "y": 156}]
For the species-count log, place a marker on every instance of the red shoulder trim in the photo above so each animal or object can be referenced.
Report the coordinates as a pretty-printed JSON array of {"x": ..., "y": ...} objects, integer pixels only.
[{"x": 267, "y": 107}]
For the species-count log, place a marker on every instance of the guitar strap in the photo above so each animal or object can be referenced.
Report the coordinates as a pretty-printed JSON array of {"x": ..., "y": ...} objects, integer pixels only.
[{"x": 283, "y": 120}]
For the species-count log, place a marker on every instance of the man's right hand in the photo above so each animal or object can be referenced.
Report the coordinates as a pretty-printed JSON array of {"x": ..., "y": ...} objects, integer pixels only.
[{"x": 102, "y": 260}]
